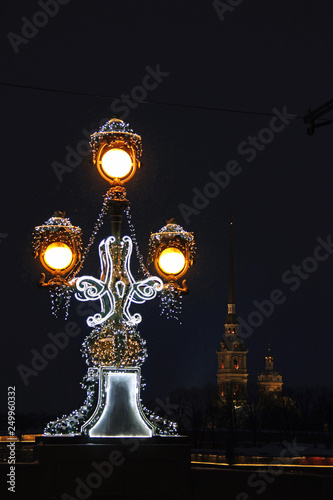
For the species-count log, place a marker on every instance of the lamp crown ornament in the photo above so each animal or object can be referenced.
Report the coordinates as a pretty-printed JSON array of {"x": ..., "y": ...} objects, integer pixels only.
[{"x": 114, "y": 350}]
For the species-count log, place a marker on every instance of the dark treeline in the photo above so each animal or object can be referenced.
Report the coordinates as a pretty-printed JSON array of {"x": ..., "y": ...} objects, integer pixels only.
[{"x": 213, "y": 421}]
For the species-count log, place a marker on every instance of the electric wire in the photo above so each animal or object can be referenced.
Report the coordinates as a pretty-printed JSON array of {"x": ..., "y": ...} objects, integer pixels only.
[{"x": 154, "y": 103}]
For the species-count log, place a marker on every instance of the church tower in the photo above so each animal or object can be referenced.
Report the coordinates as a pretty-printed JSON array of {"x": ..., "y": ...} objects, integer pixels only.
[
  {"x": 232, "y": 373},
  {"x": 269, "y": 380}
]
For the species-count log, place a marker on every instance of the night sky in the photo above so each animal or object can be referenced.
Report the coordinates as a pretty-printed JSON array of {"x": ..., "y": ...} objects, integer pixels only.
[{"x": 215, "y": 85}]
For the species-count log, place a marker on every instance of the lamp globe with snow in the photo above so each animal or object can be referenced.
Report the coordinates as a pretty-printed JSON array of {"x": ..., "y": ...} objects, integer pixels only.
[
  {"x": 172, "y": 250},
  {"x": 114, "y": 350},
  {"x": 58, "y": 245},
  {"x": 116, "y": 151}
]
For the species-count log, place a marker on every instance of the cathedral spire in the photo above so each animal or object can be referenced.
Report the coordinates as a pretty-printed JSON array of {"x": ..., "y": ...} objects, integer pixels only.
[
  {"x": 231, "y": 294},
  {"x": 232, "y": 373},
  {"x": 231, "y": 319}
]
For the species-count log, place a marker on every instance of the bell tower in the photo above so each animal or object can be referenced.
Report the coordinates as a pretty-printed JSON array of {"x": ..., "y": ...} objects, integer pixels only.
[
  {"x": 269, "y": 380},
  {"x": 232, "y": 373}
]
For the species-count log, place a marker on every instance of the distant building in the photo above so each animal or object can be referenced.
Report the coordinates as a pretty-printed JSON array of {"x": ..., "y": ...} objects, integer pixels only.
[
  {"x": 232, "y": 373},
  {"x": 269, "y": 380}
]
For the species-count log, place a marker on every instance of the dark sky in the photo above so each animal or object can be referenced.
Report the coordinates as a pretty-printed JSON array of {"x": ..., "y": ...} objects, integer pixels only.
[{"x": 220, "y": 84}]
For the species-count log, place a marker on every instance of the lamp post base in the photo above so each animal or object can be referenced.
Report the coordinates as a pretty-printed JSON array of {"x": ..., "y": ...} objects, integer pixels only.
[
  {"x": 118, "y": 412},
  {"x": 112, "y": 409}
]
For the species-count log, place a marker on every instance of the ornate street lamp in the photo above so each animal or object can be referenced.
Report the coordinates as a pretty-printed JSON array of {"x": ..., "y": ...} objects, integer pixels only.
[
  {"x": 171, "y": 250},
  {"x": 116, "y": 151},
  {"x": 114, "y": 350},
  {"x": 58, "y": 245}
]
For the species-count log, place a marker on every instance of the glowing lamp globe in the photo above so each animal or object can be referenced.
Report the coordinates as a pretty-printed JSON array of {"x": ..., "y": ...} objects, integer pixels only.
[
  {"x": 58, "y": 256},
  {"x": 171, "y": 261},
  {"x": 58, "y": 244},
  {"x": 116, "y": 151},
  {"x": 116, "y": 164}
]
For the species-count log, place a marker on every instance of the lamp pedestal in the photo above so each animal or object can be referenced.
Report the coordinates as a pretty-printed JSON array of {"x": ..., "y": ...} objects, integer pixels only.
[
  {"x": 70, "y": 468},
  {"x": 118, "y": 412}
]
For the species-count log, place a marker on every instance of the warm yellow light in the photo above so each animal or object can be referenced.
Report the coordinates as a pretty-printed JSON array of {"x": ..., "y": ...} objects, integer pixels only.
[
  {"x": 116, "y": 163},
  {"x": 58, "y": 256},
  {"x": 171, "y": 261}
]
